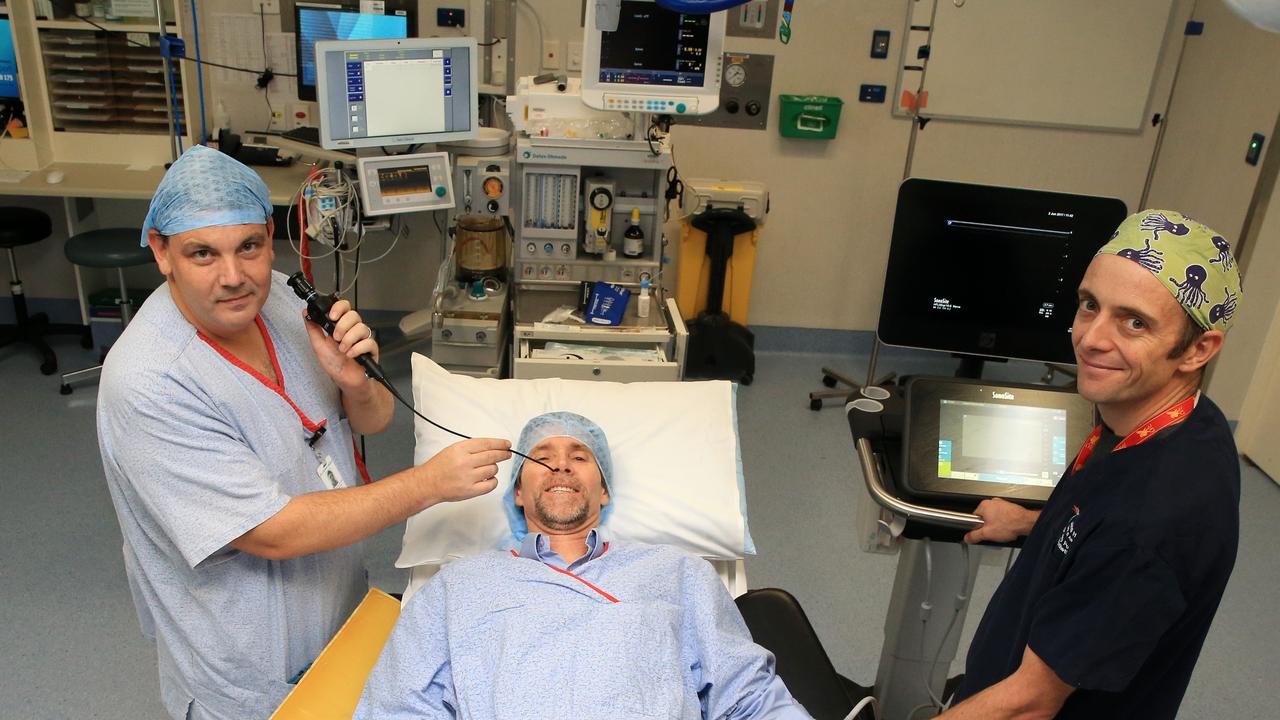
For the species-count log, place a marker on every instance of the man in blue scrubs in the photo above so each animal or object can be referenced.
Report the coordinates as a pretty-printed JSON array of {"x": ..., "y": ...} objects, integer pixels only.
[
  {"x": 1105, "y": 611},
  {"x": 225, "y": 423}
]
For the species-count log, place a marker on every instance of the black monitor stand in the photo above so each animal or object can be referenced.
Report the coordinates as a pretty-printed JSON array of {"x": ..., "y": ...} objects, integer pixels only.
[{"x": 971, "y": 366}]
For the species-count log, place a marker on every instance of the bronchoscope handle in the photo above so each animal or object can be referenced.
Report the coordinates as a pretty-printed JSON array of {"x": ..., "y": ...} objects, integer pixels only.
[{"x": 318, "y": 307}]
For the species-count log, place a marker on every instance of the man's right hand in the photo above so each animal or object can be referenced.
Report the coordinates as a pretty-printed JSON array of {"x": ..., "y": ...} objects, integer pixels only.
[
  {"x": 466, "y": 469},
  {"x": 1002, "y": 520}
]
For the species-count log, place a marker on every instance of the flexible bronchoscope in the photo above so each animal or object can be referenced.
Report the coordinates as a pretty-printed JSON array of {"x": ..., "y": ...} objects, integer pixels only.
[{"x": 318, "y": 307}]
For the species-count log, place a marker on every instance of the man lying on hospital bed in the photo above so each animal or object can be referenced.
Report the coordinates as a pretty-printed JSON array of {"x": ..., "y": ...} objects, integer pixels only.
[{"x": 569, "y": 624}]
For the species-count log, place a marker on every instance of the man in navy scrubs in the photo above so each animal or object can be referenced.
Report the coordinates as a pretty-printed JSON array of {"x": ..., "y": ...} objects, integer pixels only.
[{"x": 1105, "y": 611}]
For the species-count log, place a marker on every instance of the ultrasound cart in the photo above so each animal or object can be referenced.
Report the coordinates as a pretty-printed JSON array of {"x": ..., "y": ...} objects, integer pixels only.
[{"x": 930, "y": 451}]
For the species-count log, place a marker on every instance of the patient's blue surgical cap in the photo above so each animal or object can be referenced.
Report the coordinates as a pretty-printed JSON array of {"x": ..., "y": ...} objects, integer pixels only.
[
  {"x": 549, "y": 425},
  {"x": 206, "y": 188}
]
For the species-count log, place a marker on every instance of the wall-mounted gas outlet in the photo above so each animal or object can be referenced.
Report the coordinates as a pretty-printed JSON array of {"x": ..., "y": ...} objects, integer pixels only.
[
  {"x": 758, "y": 18},
  {"x": 551, "y": 55},
  {"x": 298, "y": 115},
  {"x": 573, "y": 60},
  {"x": 745, "y": 90}
]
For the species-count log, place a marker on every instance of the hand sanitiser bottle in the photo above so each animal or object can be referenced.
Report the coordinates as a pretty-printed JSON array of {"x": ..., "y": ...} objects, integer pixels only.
[
  {"x": 633, "y": 238},
  {"x": 642, "y": 302}
]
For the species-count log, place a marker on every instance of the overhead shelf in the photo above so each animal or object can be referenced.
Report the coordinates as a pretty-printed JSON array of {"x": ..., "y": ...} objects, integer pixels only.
[
  {"x": 104, "y": 83},
  {"x": 74, "y": 24}
]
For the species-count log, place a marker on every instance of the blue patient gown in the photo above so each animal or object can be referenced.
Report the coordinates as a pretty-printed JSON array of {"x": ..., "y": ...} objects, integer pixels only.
[{"x": 506, "y": 636}]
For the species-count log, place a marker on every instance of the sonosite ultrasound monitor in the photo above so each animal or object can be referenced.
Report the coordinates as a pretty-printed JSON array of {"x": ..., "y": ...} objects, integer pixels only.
[
  {"x": 978, "y": 439},
  {"x": 990, "y": 271}
]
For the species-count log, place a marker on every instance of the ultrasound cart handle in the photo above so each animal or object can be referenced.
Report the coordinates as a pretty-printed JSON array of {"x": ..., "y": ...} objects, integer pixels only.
[{"x": 871, "y": 474}]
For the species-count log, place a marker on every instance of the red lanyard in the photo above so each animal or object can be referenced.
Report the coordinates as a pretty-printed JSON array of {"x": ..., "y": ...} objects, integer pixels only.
[
  {"x": 602, "y": 593},
  {"x": 315, "y": 430},
  {"x": 1146, "y": 431}
]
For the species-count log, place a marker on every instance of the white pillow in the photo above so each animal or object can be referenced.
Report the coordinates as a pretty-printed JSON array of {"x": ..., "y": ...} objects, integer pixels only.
[{"x": 677, "y": 464}]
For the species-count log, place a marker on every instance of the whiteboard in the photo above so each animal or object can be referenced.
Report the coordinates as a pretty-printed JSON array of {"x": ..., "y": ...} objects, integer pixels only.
[{"x": 1078, "y": 63}]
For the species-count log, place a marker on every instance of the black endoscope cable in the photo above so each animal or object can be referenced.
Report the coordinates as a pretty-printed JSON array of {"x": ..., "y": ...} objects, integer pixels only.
[{"x": 318, "y": 307}]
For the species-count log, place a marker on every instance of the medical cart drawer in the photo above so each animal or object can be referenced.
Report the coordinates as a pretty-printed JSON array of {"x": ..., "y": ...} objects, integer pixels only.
[
  {"x": 607, "y": 370},
  {"x": 625, "y": 370}
]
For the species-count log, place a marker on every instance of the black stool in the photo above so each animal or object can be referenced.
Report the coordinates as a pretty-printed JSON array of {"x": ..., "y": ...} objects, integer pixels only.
[
  {"x": 25, "y": 226},
  {"x": 117, "y": 248}
]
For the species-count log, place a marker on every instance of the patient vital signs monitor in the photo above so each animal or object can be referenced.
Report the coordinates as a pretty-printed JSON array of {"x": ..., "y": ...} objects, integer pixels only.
[
  {"x": 982, "y": 439},
  {"x": 655, "y": 61},
  {"x": 375, "y": 93}
]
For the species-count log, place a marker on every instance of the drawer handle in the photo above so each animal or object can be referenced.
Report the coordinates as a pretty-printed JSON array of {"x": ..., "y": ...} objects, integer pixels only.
[{"x": 595, "y": 371}]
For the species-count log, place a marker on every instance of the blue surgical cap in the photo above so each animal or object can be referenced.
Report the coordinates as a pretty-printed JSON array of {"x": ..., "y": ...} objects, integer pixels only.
[
  {"x": 549, "y": 425},
  {"x": 206, "y": 188}
]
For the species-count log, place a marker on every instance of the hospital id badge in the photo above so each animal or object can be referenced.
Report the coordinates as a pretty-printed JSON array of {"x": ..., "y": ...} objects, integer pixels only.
[{"x": 329, "y": 473}]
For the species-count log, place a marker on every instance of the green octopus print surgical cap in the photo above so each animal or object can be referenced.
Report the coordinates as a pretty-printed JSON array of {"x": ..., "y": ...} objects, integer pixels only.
[{"x": 1193, "y": 262}]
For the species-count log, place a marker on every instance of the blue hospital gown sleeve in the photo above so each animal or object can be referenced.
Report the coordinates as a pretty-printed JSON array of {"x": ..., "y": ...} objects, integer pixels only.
[
  {"x": 735, "y": 678},
  {"x": 412, "y": 678}
]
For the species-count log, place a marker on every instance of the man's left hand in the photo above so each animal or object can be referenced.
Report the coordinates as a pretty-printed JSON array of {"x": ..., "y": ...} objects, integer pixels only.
[{"x": 351, "y": 339}]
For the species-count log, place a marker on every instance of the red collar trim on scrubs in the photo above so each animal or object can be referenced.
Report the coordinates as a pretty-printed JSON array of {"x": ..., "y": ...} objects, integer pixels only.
[
  {"x": 1147, "y": 430},
  {"x": 278, "y": 388},
  {"x": 602, "y": 593}
]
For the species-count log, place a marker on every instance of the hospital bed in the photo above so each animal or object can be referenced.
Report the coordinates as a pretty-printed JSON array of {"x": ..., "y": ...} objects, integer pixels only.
[{"x": 677, "y": 480}]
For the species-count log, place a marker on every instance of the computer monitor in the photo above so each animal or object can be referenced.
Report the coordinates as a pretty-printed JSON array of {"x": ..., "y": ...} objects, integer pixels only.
[
  {"x": 990, "y": 271},
  {"x": 317, "y": 21},
  {"x": 656, "y": 61},
  {"x": 374, "y": 93},
  {"x": 8, "y": 63}
]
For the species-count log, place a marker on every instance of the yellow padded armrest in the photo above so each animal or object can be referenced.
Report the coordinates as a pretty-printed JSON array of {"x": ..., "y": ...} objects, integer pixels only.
[{"x": 331, "y": 687}]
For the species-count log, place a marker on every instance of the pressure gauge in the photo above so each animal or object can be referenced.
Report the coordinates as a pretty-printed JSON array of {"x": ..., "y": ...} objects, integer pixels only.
[
  {"x": 735, "y": 75},
  {"x": 493, "y": 187},
  {"x": 601, "y": 198}
]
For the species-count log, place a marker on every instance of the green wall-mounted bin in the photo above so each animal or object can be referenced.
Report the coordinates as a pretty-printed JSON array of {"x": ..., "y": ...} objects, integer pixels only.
[{"x": 815, "y": 117}]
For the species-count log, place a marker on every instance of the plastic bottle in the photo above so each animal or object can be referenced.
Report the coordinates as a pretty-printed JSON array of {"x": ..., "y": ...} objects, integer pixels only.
[
  {"x": 221, "y": 119},
  {"x": 642, "y": 302},
  {"x": 633, "y": 238},
  {"x": 221, "y": 127}
]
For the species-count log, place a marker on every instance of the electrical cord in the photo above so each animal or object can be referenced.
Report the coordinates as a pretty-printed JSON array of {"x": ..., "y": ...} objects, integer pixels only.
[
  {"x": 330, "y": 182},
  {"x": 961, "y": 598},
  {"x": 195, "y": 31},
  {"x": 528, "y": 6},
  {"x": 868, "y": 701},
  {"x": 264, "y": 80}
]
